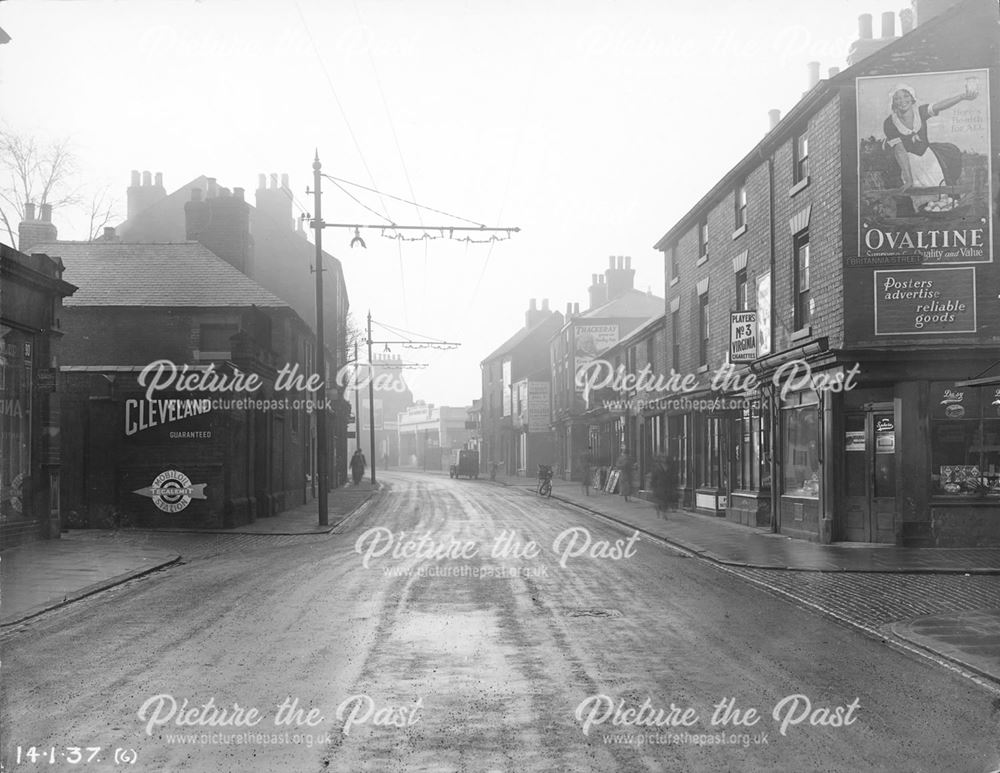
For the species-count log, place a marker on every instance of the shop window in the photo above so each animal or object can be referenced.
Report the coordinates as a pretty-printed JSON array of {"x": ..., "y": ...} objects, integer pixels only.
[
  {"x": 679, "y": 444},
  {"x": 748, "y": 448},
  {"x": 800, "y": 444},
  {"x": 708, "y": 453},
  {"x": 15, "y": 423},
  {"x": 965, "y": 441}
]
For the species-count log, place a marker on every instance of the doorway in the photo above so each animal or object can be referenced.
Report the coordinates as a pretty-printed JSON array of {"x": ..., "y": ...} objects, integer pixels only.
[{"x": 869, "y": 453}]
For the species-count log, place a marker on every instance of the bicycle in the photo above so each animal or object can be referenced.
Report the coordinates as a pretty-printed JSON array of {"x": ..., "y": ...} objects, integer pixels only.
[{"x": 545, "y": 480}]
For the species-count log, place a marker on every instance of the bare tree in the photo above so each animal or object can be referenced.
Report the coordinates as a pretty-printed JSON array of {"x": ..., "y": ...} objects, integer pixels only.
[{"x": 45, "y": 173}]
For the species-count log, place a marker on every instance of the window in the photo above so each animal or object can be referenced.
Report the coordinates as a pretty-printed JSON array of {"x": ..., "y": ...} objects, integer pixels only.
[
  {"x": 708, "y": 452},
  {"x": 651, "y": 350},
  {"x": 703, "y": 331},
  {"x": 741, "y": 204},
  {"x": 800, "y": 443},
  {"x": 675, "y": 268},
  {"x": 800, "y": 170},
  {"x": 742, "y": 299},
  {"x": 752, "y": 471},
  {"x": 703, "y": 240},
  {"x": 965, "y": 440},
  {"x": 675, "y": 340},
  {"x": 803, "y": 301},
  {"x": 215, "y": 337}
]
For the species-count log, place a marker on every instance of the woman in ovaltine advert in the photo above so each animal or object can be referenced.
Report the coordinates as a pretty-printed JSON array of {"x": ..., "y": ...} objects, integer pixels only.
[{"x": 924, "y": 165}]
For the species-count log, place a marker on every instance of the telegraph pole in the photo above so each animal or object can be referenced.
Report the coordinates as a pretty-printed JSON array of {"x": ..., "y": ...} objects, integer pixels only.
[
  {"x": 371, "y": 397},
  {"x": 321, "y": 450}
]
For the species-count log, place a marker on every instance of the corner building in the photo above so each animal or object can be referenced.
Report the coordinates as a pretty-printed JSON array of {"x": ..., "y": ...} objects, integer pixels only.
[{"x": 860, "y": 237}]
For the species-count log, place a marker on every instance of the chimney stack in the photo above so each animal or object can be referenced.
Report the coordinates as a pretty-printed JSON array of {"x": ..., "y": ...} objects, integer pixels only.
[
  {"x": 620, "y": 277},
  {"x": 222, "y": 224},
  {"x": 534, "y": 315},
  {"x": 774, "y": 118},
  {"x": 865, "y": 45},
  {"x": 275, "y": 203},
  {"x": 143, "y": 193},
  {"x": 32, "y": 231},
  {"x": 598, "y": 291}
]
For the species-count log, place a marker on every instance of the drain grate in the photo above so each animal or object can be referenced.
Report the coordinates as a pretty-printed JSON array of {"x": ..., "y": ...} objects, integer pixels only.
[{"x": 592, "y": 612}]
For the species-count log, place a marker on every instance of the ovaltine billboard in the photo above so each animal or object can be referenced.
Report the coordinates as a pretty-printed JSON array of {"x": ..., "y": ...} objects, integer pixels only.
[{"x": 924, "y": 173}]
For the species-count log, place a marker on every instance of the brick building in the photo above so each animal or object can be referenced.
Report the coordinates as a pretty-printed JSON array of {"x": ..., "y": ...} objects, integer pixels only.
[
  {"x": 626, "y": 414},
  {"x": 31, "y": 296},
  {"x": 429, "y": 434},
  {"x": 616, "y": 308},
  {"x": 858, "y": 238},
  {"x": 142, "y": 303},
  {"x": 514, "y": 418},
  {"x": 263, "y": 241}
]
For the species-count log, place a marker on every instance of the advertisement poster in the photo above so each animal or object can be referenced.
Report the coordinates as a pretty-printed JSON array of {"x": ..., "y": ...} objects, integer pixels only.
[
  {"x": 505, "y": 384},
  {"x": 537, "y": 409},
  {"x": 591, "y": 341},
  {"x": 924, "y": 171},
  {"x": 764, "y": 314},
  {"x": 742, "y": 336}
]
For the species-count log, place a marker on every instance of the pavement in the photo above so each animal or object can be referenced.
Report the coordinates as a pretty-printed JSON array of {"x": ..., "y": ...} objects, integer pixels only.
[
  {"x": 40, "y": 576},
  {"x": 957, "y": 590}
]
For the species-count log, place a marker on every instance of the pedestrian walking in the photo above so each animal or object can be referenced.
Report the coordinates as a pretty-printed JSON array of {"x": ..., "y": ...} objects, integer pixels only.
[
  {"x": 624, "y": 466},
  {"x": 587, "y": 465},
  {"x": 664, "y": 484},
  {"x": 358, "y": 465}
]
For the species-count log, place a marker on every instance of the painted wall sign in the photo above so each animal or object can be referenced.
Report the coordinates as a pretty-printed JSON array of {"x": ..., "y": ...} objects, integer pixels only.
[
  {"x": 922, "y": 301},
  {"x": 742, "y": 336},
  {"x": 854, "y": 441},
  {"x": 924, "y": 171}
]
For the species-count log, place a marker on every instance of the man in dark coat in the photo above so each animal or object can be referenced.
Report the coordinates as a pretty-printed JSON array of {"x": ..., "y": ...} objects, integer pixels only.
[{"x": 358, "y": 465}]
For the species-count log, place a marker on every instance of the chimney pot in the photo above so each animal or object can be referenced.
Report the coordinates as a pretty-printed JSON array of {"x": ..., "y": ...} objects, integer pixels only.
[
  {"x": 774, "y": 117},
  {"x": 46, "y": 213},
  {"x": 576, "y": 308},
  {"x": 888, "y": 24},
  {"x": 135, "y": 178},
  {"x": 531, "y": 304},
  {"x": 147, "y": 179},
  {"x": 261, "y": 182},
  {"x": 274, "y": 181},
  {"x": 284, "y": 181},
  {"x": 833, "y": 71},
  {"x": 628, "y": 261},
  {"x": 29, "y": 211},
  {"x": 159, "y": 179},
  {"x": 569, "y": 309},
  {"x": 545, "y": 304},
  {"x": 611, "y": 261},
  {"x": 865, "y": 26},
  {"x": 238, "y": 193},
  {"x": 813, "y": 73}
]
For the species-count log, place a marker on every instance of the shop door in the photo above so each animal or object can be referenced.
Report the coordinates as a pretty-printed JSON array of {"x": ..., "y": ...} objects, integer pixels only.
[{"x": 869, "y": 477}]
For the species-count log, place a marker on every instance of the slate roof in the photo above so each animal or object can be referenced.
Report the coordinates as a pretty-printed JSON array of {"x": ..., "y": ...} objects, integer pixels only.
[
  {"x": 554, "y": 321},
  {"x": 177, "y": 274},
  {"x": 631, "y": 303}
]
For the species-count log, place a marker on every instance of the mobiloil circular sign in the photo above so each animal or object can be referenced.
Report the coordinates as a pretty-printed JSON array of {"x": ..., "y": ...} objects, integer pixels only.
[{"x": 172, "y": 491}]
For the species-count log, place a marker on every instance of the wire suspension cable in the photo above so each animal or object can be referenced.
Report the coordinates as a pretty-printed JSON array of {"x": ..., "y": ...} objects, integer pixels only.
[{"x": 405, "y": 201}]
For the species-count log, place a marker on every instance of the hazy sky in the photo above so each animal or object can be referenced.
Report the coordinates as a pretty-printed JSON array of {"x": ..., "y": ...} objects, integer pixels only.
[{"x": 591, "y": 125}]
